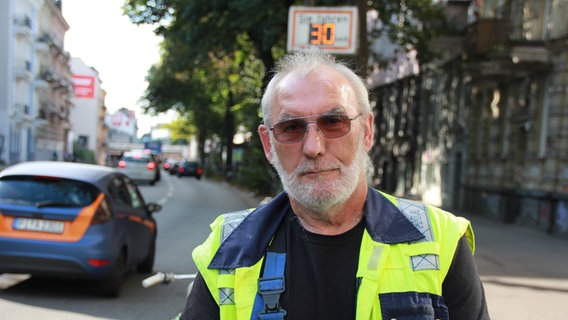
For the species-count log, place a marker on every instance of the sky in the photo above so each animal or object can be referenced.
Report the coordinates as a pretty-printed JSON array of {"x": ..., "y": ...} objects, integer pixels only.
[{"x": 120, "y": 51}]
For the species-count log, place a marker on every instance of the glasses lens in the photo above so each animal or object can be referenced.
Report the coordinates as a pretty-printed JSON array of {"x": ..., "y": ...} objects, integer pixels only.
[
  {"x": 290, "y": 131},
  {"x": 334, "y": 126},
  {"x": 330, "y": 126}
]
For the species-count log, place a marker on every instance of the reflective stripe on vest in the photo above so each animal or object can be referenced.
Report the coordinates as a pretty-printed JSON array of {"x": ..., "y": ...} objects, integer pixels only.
[
  {"x": 231, "y": 221},
  {"x": 417, "y": 213}
]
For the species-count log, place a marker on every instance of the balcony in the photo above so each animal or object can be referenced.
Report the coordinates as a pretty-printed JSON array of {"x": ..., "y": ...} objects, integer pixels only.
[
  {"x": 486, "y": 34},
  {"x": 48, "y": 76},
  {"x": 23, "y": 70},
  {"x": 530, "y": 53},
  {"x": 40, "y": 83},
  {"x": 43, "y": 43},
  {"x": 23, "y": 26},
  {"x": 21, "y": 114}
]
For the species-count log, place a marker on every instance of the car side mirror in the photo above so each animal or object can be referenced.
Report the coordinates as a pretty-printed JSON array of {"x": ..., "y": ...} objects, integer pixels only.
[{"x": 153, "y": 207}]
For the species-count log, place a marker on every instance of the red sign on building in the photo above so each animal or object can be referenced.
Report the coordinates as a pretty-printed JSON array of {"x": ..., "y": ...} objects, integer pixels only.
[{"x": 84, "y": 86}]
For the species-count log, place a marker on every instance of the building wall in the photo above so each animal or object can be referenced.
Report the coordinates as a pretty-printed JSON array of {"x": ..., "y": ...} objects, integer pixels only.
[
  {"x": 6, "y": 31},
  {"x": 88, "y": 102},
  {"x": 55, "y": 98},
  {"x": 516, "y": 164},
  {"x": 34, "y": 81},
  {"x": 492, "y": 115},
  {"x": 102, "y": 132}
]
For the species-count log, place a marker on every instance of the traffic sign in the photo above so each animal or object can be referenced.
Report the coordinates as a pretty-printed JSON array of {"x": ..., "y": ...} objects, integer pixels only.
[{"x": 333, "y": 29}]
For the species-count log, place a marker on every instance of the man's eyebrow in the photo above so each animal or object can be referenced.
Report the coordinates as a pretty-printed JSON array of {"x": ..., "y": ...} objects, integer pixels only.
[{"x": 333, "y": 111}]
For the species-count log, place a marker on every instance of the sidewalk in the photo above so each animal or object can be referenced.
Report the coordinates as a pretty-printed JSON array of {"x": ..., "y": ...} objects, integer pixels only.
[{"x": 523, "y": 270}]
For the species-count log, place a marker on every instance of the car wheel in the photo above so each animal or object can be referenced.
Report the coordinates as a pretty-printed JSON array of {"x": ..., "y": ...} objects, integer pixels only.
[
  {"x": 198, "y": 177},
  {"x": 148, "y": 264},
  {"x": 111, "y": 286}
]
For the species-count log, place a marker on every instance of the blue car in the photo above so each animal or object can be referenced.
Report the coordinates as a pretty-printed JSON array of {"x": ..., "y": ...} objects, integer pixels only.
[
  {"x": 189, "y": 169},
  {"x": 75, "y": 220}
]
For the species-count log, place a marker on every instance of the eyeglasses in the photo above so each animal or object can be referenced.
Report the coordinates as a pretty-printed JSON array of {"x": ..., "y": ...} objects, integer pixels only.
[{"x": 331, "y": 126}]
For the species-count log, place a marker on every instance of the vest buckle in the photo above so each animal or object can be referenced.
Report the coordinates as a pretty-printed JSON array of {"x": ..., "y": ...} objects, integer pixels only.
[{"x": 270, "y": 288}]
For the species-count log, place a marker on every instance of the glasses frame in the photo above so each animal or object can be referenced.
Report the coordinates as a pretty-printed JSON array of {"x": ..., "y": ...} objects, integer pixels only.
[{"x": 315, "y": 122}]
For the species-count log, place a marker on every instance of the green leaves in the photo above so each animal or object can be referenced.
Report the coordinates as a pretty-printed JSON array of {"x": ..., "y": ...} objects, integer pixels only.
[{"x": 411, "y": 24}]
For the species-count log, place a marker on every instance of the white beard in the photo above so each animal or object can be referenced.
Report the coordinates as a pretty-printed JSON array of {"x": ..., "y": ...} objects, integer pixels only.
[{"x": 320, "y": 194}]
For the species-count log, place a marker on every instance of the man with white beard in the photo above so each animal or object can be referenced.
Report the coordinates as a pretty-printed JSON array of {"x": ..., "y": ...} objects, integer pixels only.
[{"x": 330, "y": 246}]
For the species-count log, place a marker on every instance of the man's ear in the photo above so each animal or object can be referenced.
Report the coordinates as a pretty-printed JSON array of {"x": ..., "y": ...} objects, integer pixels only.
[
  {"x": 369, "y": 131},
  {"x": 264, "y": 133}
]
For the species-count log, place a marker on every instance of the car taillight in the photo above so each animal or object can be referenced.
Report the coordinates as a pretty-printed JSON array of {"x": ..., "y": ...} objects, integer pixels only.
[
  {"x": 151, "y": 165},
  {"x": 98, "y": 262},
  {"x": 167, "y": 165},
  {"x": 181, "y": 169},
  {"x": 122, "y": 164},
  {"x": 199, "y": 171},
  {"x": 103, "y": 213}
]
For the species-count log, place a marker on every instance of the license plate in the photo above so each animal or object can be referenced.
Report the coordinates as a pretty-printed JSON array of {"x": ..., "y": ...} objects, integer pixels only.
[{"x": 38, "y": 225}]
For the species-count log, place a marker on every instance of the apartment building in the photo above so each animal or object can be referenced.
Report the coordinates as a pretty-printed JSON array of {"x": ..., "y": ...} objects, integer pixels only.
[
  {"x": 35, "y": 81},
  {"x": 483, "y": 128},
  {"x": 87, "y": 117}
]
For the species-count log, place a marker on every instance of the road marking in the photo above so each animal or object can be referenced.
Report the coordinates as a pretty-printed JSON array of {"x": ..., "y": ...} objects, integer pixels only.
[{"x": 170, "y": 192}]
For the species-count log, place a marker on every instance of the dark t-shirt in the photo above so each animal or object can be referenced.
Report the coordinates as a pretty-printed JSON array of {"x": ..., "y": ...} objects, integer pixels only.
[{"x": 321, "y": 284}]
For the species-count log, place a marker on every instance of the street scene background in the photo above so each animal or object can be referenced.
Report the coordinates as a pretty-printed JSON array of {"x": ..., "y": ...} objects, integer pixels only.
[
  {"x": 470, "y": 99},
  {"x": 523, "y": 270}
]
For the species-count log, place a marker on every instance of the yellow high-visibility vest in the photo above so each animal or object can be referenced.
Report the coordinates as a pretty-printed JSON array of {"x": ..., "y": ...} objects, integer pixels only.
[{"x": 392, "y": 275}]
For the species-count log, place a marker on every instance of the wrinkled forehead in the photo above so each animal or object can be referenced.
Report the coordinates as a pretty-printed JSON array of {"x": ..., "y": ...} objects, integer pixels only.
[{"x": 323, "y": 88}]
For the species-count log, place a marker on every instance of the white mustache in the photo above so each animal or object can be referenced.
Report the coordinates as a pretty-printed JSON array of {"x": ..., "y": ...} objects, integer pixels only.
[{"x": 310, "y": 167}]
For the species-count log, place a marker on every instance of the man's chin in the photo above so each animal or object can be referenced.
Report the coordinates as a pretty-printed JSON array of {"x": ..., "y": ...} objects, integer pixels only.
[{"x": 315, "y": 197}]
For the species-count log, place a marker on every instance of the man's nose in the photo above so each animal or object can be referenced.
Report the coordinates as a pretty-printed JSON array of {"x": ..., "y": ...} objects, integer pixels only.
[{"x": 312, "y": 144}]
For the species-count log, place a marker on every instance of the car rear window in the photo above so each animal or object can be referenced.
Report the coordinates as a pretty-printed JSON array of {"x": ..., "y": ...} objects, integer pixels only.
[
  {"x": 46, "y": 191},
  {"x": 136, "y": 158}
]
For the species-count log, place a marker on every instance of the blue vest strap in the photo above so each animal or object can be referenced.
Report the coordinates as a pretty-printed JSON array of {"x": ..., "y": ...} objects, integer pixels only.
[
  {"x": 270, "y": 287},
  {"x": 272, "y": 283}
]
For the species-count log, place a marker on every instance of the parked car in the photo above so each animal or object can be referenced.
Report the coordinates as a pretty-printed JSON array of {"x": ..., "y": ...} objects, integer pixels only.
[
  {"x": 158, "y": 159},
  {"x": 189, "y": 168},
  {"x": 75, "y": 220},
  {"x": 169, "y": 165},
  {"x": 140, "y": 166}
]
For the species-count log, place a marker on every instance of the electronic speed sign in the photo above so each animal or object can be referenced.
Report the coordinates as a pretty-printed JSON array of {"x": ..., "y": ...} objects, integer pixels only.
[{"x": 333, "y": 29}]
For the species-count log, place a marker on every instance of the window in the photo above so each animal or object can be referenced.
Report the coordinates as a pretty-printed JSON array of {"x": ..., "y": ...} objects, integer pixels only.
[
  {"x": 119, "y": 193},
  {"x": 47, "y": 191},
  {"x": 137, "y": 201},
  {"x": 125, "y": 192}
]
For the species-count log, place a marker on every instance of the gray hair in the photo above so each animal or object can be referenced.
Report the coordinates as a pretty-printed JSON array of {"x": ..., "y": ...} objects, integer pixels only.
[{"x": 304, "y": 63}]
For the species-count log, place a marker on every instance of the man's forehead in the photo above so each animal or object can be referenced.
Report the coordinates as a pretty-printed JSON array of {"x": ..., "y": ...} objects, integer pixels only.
[{"x": 331, "y": 90}]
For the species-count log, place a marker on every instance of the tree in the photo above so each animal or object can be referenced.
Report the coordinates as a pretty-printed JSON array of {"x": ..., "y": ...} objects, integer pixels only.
[
  {"x": 201, "y": 38},
  {"x": 215, "y": 26},
  {"x": 411, "y": 24},
  {"x": 212, "y": 46}
]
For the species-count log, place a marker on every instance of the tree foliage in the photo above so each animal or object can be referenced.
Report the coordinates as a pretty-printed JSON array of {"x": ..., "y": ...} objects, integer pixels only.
[{"x": 411, "y": 24}]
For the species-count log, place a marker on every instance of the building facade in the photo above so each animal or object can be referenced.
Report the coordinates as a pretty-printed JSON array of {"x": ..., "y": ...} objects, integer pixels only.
[
  {"x": 484, "y": 127},
  {"x": 35, "y": 81},
  {"x": 87, "y": 118},
  {"x": 517, "y": 169}
]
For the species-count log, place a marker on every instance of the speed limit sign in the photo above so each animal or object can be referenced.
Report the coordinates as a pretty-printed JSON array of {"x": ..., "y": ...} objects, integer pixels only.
[{"x": 333, "y": 29}]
